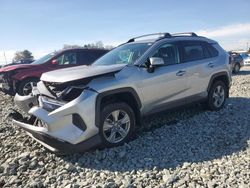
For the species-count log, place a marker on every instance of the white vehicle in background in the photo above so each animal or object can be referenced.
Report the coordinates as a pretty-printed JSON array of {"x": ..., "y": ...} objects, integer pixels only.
[{"x": 246, "y": 58}]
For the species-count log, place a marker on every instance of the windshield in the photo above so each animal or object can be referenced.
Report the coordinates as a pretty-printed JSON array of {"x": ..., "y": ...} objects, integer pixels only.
[
  {"x": 124, "y": 54},
  {"x": 43, "y": 59}
]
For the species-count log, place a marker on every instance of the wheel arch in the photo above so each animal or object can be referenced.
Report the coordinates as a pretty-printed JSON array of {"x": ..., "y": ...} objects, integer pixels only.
[
  {"x": 222, "y": 76},
  {"x": 18, "y": 82},
  {"x": 127, "y": 95}
]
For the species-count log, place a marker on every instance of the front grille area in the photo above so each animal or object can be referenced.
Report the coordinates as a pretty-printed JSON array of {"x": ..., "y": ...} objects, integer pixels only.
[
  {"x": 31, "y": 120},
  {"x": 40, "y": 123}
]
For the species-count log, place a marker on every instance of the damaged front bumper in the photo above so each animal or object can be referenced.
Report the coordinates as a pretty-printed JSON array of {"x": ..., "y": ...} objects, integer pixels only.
[
  {"x": 53, "y": 144},
  {"x": 60, "y": 127}
]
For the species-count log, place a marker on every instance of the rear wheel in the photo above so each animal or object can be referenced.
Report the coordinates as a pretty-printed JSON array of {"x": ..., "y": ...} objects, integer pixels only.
[
  {"x": 217, "y": 95},
  {"x": 25, "y": 87},
  {"x": 117, "y": 124}
]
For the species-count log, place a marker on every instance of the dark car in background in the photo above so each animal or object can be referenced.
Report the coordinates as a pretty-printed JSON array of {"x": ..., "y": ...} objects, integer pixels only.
[
  {"x": 20, "y": 78},
  {"x": 236, "y": 61}
]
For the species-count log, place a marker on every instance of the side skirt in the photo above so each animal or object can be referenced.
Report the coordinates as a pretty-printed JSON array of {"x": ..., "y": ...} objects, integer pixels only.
[{"x": 197, "y": 98}]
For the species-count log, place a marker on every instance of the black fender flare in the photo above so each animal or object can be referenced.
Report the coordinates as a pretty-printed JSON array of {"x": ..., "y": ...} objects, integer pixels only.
[
  {"x": 216, "y": 75},
  {"x": 100, "y": 96}
]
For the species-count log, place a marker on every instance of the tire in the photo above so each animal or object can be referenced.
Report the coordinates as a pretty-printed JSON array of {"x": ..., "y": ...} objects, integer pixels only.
[
  {"x": 25, "y": 86},
  {"x": 217, "y": 95},
  {"x": 236, "y": 68},
  {"x": 112, "y": 131}
]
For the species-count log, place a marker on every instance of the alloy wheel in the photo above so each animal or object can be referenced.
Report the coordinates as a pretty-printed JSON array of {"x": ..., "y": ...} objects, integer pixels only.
[
  {"x": 27, "y": 88},
  {"x": 116, "y": 126},
  {"x": 218, "y": 96}
]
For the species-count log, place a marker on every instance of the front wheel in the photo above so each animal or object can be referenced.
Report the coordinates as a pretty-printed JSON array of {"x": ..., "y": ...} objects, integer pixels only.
[
  {"x": 117, "y": 124},
  {"x": 217, "y": 95},
  {"x": 25, "y": 87}
]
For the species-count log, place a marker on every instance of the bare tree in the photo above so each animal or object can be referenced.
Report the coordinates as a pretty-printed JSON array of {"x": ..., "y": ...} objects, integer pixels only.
[
  {"x": 25, "y": 55},
  {"x": 99, "y": 44}
]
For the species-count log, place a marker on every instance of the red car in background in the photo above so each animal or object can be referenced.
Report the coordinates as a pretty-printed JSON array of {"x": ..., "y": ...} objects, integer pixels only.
[{"x": 19, "y": 78}]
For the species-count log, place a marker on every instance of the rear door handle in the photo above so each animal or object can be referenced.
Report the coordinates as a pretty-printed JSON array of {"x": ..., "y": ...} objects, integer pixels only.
[
  {"x": 211, "y": 65},
  {"x": 180, "y": 73}
]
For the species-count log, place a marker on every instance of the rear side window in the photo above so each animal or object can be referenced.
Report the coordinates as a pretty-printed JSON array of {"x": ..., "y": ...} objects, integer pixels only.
[
  {"x": 192, "y": 52},
  {"x": 197, "y": 50},
  {"x": 212, "y": 52},
  {"x": 88, "y": 57}
]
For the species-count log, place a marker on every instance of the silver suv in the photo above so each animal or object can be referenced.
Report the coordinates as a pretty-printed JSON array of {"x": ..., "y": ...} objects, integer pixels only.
[{"x": 78, "y": 108}]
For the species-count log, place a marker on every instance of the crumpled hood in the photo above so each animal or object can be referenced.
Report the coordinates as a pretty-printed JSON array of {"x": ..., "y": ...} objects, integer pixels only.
[
  {"x": 15, "y": 67},
  {"x": 79, "y": 72}
]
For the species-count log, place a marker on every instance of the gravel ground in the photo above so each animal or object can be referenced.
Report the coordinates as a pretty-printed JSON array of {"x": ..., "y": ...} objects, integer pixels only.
[{"x": 189, "y": 147}]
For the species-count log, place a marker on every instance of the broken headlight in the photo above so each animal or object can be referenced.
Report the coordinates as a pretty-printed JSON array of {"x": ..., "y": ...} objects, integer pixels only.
[
  {"x": 71, "y": 93},
  {"x": 49, "y": 104}
]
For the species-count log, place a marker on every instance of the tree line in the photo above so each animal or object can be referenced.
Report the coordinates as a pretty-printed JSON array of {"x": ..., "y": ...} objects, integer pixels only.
[{"x": 98, "y": 45}]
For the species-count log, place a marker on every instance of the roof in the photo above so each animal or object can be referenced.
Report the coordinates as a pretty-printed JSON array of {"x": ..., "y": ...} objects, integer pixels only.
[{"x": 87, "y": 49}]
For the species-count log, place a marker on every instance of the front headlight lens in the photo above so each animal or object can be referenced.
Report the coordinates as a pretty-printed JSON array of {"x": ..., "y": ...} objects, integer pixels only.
[
  {"x": 71, "y": 93},
  {"x": 49, "y": 104}
]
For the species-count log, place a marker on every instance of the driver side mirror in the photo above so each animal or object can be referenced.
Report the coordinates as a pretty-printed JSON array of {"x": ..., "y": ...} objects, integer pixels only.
[
  {"x": 156, "y": 61},
  {"x": 54, "y": 62}
]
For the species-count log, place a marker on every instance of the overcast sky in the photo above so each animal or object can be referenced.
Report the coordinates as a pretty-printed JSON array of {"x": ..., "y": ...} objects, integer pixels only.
[{"x": 42, "y": 26}]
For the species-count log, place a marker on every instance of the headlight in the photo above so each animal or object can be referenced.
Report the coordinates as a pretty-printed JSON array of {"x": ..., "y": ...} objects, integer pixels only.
[
  {"x": 71, "y": 93},
  {"x": 49, "y": 104}
]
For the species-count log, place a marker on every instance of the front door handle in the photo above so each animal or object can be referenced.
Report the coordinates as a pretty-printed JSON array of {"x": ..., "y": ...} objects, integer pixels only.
[
  {"x": 211, "y": 65},
  {"x": 180, "y": 73}
]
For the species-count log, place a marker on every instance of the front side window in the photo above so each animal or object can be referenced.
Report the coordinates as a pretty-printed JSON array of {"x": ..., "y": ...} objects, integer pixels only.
[
  {"x": 125, "y": 54},
  {"x": 169, "y": 54},
  {"x": 67, "y": 59}
]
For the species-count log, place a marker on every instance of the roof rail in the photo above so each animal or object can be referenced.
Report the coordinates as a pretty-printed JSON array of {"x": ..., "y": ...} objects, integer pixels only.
[
  {"x": 165, "y": 35},
  {"x": 161, "y": 35},
  {"x": 192, "y": 34}
]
